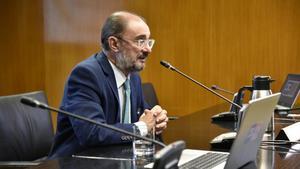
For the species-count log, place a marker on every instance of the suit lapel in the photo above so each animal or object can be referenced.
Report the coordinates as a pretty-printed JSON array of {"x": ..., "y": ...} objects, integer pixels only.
[{"x": 108, "y": 71}]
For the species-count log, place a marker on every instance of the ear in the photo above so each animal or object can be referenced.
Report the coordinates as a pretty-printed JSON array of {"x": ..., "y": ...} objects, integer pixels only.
[{"x": 113, "y": 43}]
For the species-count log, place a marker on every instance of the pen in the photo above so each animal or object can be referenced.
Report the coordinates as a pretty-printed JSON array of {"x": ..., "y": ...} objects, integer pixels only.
[{"x": 173, "y": 117}]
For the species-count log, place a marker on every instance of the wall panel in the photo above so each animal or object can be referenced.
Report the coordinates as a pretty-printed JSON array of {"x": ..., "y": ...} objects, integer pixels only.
[
  {"x": 21, "y": 47},
  {"x": 218, "y": 42},
  {"x": 72, "y": 33},
  {"x": 215, "y": 41}
]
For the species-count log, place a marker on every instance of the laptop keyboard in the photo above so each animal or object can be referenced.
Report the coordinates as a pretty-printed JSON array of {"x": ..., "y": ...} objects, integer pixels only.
[{"x": 208, "y": 160}]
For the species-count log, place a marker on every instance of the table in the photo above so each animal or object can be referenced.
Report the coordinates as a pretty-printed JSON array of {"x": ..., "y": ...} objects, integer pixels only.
[{"x": 195, "y": 129}]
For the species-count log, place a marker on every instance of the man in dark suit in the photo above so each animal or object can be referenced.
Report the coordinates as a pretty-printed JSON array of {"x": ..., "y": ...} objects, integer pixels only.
[{"x": 106, "y": 88}]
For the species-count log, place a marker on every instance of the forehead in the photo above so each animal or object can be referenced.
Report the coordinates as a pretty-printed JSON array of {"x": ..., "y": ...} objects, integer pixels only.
[{"x": 136, "y": 29}]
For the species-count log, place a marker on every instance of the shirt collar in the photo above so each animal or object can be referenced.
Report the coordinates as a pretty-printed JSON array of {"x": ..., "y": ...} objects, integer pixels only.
[{"x": 119, "y": 75}]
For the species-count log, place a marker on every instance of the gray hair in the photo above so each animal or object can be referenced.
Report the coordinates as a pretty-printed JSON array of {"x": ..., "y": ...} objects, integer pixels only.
[{"x": 114, "y": 26}]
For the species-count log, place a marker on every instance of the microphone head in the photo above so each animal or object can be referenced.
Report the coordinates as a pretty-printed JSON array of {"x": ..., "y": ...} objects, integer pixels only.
[
  {"x": 33, "y": 103},
  {"x": 214, "y": 87},
  {"x": 29, "y": 101},
  {"x": 167, "y": 65}
]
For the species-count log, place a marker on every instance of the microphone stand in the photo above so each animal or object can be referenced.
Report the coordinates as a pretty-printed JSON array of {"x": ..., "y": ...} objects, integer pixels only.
[
  {"x": 169, "y": 66},
  {"x": 223, "y": 139},
  {"x": 215, "y": 87},
  {"x": 34, "y": 103},
  {"x": 168, "y": 156},
  {"x": 231, "y": 115}
]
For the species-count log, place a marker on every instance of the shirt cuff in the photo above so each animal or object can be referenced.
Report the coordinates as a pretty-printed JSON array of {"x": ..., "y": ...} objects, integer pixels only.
[{"x": 142, "y": 127}]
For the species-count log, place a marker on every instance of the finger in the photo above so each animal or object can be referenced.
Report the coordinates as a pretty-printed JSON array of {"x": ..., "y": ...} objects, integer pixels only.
[
  {"x": 166, "y": 119},
  {"x": 160, "y": 130},
  {"x": 149, "y": 114},
  {"x": 156, "y": 110},
  {"x": 162, "y": 117},
  {"x": 163, "y": 112},
  {"x": 161, "y": 125},
  {"x": 146, "y": 111}
]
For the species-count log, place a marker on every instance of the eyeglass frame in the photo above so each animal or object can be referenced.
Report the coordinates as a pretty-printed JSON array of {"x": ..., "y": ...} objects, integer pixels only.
[{"x": 141, "y": 43}]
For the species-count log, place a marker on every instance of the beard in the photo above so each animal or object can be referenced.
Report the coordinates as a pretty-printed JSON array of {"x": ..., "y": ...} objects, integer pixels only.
[{"x": 129, "y": 64}]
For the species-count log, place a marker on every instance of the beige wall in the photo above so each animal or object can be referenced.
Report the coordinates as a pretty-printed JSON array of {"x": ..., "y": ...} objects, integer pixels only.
[
  {"x": 21, "y": 47},
  {"x": 219, "y": 42},
  {"x": 214, "y": 41}
]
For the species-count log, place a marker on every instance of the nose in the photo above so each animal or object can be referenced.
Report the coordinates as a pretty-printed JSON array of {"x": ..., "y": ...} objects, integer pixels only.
[{"x": 146, "y": 49}]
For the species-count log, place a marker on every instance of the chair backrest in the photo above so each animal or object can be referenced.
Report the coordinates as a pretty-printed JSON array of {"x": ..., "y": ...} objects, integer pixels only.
[
  {"x": 26, "y": 133},
  {"x": 149, "y": 94}
]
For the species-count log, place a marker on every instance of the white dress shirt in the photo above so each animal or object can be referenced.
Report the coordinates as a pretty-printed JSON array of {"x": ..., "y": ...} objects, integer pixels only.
[{"x": 120, "y": 80}]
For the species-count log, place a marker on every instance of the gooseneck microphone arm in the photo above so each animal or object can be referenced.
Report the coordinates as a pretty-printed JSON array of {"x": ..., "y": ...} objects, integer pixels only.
[
  {"x": 215, "y": 87},
  {"x": 37, "y": 104},
  {"x": 169, "y": 66}
]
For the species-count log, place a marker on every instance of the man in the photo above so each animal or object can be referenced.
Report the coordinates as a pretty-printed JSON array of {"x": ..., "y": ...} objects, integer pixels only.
[{"x": 106, "y": 88}]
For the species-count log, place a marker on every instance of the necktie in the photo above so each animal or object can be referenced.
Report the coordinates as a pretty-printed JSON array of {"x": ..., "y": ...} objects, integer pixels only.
[{"x": 126, "y": 110}]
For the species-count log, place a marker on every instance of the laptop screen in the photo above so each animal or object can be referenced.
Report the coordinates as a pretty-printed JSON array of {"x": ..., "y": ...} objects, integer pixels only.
[{"x": 289, "y": 90}]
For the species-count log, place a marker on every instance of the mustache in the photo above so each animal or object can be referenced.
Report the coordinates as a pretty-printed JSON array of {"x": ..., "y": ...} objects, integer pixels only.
[{"x": 143, "y": 56}]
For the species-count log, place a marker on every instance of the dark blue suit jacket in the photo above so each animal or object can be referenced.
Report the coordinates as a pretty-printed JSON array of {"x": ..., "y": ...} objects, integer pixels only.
[{"x": 91, "y": 91}]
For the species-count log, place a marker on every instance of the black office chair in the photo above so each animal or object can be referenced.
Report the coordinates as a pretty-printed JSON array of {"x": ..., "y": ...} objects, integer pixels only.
[
  {"x": 149, "y": 94},
  {"x": 26, "y": 133}
]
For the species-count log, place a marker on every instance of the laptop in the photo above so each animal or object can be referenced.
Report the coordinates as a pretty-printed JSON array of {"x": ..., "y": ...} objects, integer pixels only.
[
  {"x": 245, "y": 147},
  {"x": 289, "y": 92}
]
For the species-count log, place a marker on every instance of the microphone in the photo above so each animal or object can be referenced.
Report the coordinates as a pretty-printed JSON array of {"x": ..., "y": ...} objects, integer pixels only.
[
  {"x": 37, "y": 104},
  {"x": 168, "y": 156},
  {"x": 215, "y": 87},
  {"x": 169, "y": 66},
  {"x": 32, "y": 102},
  {"x": 225, "y": 140}
]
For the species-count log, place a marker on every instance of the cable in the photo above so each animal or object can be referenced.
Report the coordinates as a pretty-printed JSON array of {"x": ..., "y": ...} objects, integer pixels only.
[
  {"x": 280, "y": 142},
  {"x": 286, "y": 119},
  {"x": 265, "y": 147},
  {"x": 284, "y": 123}
]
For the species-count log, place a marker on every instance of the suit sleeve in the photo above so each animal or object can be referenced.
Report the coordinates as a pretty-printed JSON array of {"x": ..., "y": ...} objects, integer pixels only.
[{"x": 85, "y": 96}]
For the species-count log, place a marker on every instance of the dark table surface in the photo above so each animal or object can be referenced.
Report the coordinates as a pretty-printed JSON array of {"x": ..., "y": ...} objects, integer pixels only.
[{"x": 196, "y": 129}]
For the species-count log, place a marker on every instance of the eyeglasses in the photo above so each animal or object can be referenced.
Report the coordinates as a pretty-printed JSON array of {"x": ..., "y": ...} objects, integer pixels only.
[{"x": 141, "y": 43}]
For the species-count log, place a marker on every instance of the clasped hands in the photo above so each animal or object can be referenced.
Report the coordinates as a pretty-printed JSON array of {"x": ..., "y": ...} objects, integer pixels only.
[{"x": 155, "y": 117}]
